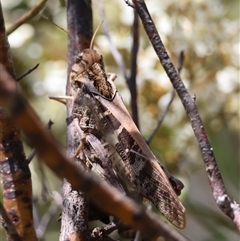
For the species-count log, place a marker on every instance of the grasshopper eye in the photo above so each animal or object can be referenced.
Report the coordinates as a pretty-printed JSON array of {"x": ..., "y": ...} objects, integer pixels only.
[
  {"x": 101, "y": 61},
  {"x": 78, "y": 84},
  {"x": 79, "y": 58},
  {"x": 85, "y": 89}
]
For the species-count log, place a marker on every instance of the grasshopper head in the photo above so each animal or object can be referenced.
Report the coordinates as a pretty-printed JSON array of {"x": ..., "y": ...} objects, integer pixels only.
[{"x": 86, "y": 59}]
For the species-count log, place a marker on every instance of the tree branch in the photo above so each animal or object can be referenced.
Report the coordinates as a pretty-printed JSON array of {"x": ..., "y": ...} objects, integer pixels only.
[
  {"x": 27, "y": 16},
  {"x": 8, "y": 225},
  {"x": 226, "y": 205},
  {"x": 14, "y": 170}
]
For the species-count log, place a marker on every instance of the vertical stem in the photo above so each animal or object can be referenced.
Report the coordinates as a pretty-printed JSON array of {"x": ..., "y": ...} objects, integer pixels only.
[
  {"x": 132, "y": 79},
  {"x": 74, "y": 223}
]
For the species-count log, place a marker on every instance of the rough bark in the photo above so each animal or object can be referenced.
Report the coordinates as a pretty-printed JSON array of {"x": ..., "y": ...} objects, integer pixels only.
[
  {"x": 14, "y": 170},
  {"x": 74, "y": 224}
]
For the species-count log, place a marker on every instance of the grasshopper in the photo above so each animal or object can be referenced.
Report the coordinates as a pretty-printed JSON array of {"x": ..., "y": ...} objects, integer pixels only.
[
  {"x": 99, "y": 111},
  {"x": 95, "y": 153}
]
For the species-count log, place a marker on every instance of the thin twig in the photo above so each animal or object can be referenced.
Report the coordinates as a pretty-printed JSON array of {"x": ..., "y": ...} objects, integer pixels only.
[
  {"x": 226, "y": 205},
  {"x": 35, "y": 210},
  {"x": 8, "y": 225},
  {"x": 33, "y": 152},
  {"x": 27, "y": 16},
  {"x": 31, "y": 156},
  {"x": 103, "y": 195},
  {"x": 131, "y": 81},
  {"x": 27, "y": 73},
  {"x": 161, "y": 117},
  {"x": 129, "y": 3},
  {"x": 164, "y": 113},
  {"x": 116, "y": 55},
  {"x": 181, "y": 58},
  {"x": 41, "y": 172},
  {"x": 108, "y": 229},
  {"x": 103, "y": 232},
  {"x": 138, "y": 236},
  {"x": 55, "y": 205},
  {"x": 43, "y": 180}
]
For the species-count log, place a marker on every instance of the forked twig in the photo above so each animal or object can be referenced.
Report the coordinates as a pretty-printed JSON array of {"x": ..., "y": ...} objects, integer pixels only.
[
  {"x": 226, "y": 205},
  {"x": 131, "y": 80},
  {"x": 164, "y": 113},
  {"x": 27, "y": 16}
]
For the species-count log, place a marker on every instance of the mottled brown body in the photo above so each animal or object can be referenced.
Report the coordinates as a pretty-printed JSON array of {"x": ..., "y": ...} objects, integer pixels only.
[
  {"x": 89, "y": 66},
  {"x": 101, "y": 112},
  {"x": 93, "y": 147}
]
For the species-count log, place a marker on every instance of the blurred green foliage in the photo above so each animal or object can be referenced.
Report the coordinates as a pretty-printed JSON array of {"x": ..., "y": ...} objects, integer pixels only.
[{"x": 208, "y": 32}]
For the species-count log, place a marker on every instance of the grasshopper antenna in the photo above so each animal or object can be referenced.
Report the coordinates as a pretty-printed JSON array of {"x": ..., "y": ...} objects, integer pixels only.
[
  {"x": 93, "y": 38},
  {"x": 62, "y": 29},
  {"x": 94, "y": 35}
]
